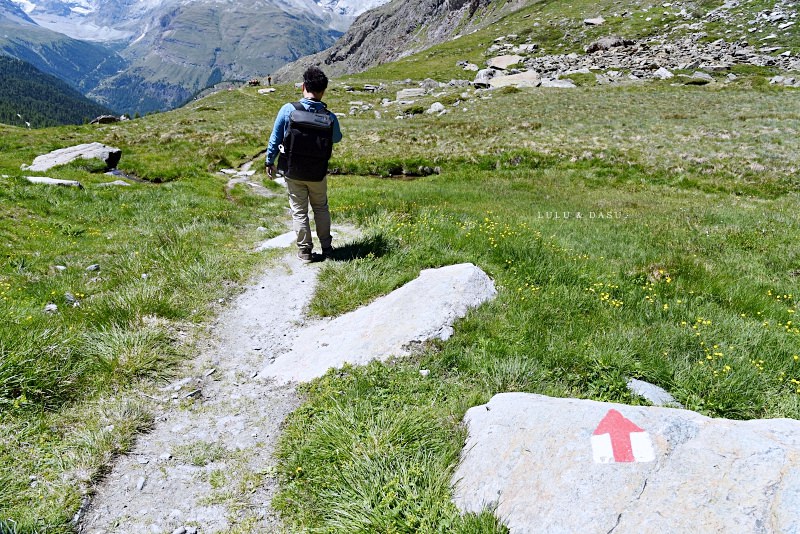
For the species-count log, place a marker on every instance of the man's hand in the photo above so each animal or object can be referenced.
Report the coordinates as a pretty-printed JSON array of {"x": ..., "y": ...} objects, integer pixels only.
[{"x": 271, "y": 171}]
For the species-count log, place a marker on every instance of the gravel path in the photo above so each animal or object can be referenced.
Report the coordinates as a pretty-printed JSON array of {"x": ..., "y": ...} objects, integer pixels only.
[{"x": 207, "y": 465}]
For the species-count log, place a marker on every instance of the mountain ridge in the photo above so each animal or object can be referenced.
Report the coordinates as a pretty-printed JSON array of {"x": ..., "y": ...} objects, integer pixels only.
[{"x": 155, "y": 55}]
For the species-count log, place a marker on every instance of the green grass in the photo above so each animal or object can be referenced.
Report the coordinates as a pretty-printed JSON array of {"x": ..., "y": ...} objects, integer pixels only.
[
  {"x": 681, "y": 269},
  {"x": 677, "y": 283},
  {"x": 167, "y": 249}
]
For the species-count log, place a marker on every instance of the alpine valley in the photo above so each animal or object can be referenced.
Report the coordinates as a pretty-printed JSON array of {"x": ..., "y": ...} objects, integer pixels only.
[{"x": 138, "y": 56}]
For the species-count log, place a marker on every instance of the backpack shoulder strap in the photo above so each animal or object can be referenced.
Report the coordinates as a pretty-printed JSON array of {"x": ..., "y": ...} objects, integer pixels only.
[{"x": 298, "y": 106}]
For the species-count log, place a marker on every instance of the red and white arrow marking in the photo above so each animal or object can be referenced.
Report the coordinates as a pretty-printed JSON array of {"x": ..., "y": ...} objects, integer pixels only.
[{"x": 617, "y": 439}]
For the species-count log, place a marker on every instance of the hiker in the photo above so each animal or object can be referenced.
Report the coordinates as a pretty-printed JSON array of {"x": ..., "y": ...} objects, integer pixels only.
[
  {"x": 269, "y": 80},
  {"x": 304, "y": 134}
]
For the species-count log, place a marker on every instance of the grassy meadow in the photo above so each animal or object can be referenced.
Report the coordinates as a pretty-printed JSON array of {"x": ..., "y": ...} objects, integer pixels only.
[{"x": 646, "y": 231}]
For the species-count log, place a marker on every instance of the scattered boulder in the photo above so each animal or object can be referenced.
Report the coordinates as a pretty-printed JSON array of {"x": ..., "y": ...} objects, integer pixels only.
[
  {"x": 282, "y": 241},
  {"x": 392, "y": 325},
  {"x": 607, "y": 43},
  {"x": 529, "y": 78},
  {"x": 655, "y": 395},
  {"x": 429, "y": 85},
  {"x": 788, "y": 81},
  {"x": 700, "y": 78},
  {"x": 596, "y": 21},
  {"x": 109, "y": 155},
  {"x": 436, "y": 107},
  {"x": 663, "y": 74},
  {"x": 404, "y": 94},
  {"x": 570, "y": 465},
  {"x": 53, "y": 181},
  {"x": 115, "y": 183},
  {"x": 459, "y": 83},
  {"x": 104, "y": 119},
  {"x": 266, "y": 90},
  {"x": 558, "y": 84},
  {"x": 503, "y": 62},
  {"x": 526, "y": 48},
  {"x": 484, "y": 77}
]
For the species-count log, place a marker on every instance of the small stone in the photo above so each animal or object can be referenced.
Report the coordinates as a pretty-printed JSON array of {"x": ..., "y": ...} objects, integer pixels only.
[
  {"x": 165, "y": 457},
  {"x": 194, "y": 394},
  {"x": 597, "y": 21},
  {"x": 143, "y": 460},
  {"x": 179, "y": 530},
  {"x": 424, "y": 372},
  {"x": 210, "y": 372},
  {"x": 70, "y": 298},
  {"x": 93, "y": 267},
  {"x": 140, "y": 483},
  {"x": 655, "y": 395},
  {"x": 53, "y": 181},
  {"x": 51, "y": 308},
  {"x": 115, "y": 183},
  {"x": 60, "y": 268},
  {"x": 436, "y": 107},
  {"x": 663, "y": 74}
]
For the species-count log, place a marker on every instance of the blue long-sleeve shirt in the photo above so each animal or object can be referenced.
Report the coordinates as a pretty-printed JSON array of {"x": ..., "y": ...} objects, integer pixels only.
[{"x": 282, "y": 125}]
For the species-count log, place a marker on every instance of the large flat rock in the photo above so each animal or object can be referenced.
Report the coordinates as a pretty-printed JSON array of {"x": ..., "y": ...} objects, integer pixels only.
[
  {"x": 529, "y": 78},
  {"x": 421, "y": 310},
  {"x": 109, "y": 155},
  {"x": 567, "y": 465}
]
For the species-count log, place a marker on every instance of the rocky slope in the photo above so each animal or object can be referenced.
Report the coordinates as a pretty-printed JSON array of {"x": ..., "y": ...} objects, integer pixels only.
[
  {"x": 549, "y": 40},
  {"x": 398, "y": 29}
]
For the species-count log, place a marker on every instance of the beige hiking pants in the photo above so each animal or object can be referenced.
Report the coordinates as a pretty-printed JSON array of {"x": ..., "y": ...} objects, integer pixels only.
[{"x": 301, "y": 194}]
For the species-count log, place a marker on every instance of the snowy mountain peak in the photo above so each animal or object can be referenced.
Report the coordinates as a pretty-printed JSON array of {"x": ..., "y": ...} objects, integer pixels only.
[{"x": 350, "y": 8}]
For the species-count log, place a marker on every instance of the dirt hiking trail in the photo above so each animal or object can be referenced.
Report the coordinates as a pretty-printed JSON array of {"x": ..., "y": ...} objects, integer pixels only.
[{"x": 207, "y": 464}]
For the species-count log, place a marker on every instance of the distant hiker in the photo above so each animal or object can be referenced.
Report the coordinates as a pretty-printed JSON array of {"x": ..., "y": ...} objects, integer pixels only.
[
  {"x": 304, "y": 134},
  {"x": 269, "y": 81}
]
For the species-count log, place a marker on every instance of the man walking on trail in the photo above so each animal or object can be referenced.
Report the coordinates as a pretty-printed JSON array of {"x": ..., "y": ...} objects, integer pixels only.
[{"x": 303, "y": 135}]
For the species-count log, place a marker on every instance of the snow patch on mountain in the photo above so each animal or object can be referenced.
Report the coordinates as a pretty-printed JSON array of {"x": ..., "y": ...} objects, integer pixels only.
[
  {"x": 25, "y": 5},
  {"x": 350, "y": 8}
]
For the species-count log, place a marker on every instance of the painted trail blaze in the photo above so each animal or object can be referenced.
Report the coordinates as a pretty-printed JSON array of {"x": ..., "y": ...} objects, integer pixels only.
[{"x": 617, "y": 439}]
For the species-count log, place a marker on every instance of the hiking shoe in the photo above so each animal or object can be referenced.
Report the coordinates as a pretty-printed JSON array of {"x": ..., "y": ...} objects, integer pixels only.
[
  {"x": 304, "y": 254},
  {"x": 327, "y": 253}
]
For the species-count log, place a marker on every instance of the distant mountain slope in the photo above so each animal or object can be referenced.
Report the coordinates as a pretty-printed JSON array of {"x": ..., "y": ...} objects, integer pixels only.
[
  {"x": 169, "y": 50},
  {"x": 199, "y": 44},
  {"x": 9, "y": 10},
  {"x": 29, "y": 95},
  {"x": 82, "y": 65}
]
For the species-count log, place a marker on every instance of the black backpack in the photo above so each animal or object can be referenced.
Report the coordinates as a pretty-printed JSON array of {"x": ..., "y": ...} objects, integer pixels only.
[{"x": 307, "y": 145}]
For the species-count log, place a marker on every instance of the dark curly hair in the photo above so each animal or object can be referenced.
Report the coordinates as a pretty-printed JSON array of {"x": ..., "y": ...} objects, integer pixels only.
[{"x": 315, "y": 80}]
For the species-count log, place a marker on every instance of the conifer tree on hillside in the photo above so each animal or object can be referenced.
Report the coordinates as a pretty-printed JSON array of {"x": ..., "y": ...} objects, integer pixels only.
[{"x": 29, "y": 97}]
